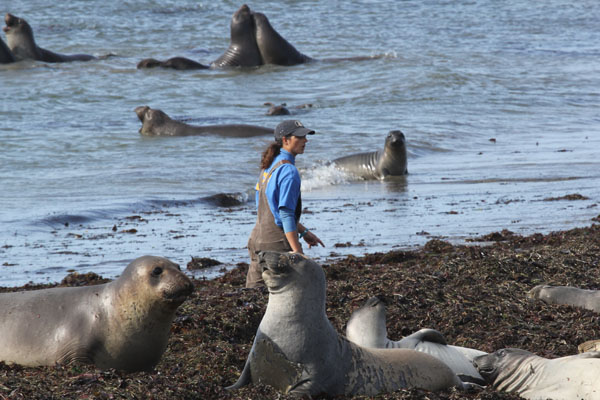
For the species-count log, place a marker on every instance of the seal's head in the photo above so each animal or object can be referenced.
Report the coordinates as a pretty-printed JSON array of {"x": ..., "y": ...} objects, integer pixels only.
[
  {"x": 291, "y": 272},
  {"x": 367, "y": 324},
  {"x": 396, "y": 140},
  {"x": 15, "y": 25},
  {"x": 151, "y": 118},
  {"x": 242, "y": 23},
  {"x": 492, "y": 367}
]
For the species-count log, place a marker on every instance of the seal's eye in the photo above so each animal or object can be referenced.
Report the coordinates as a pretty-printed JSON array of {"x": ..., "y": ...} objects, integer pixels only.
[
  {"x": 501, "y": 353},
  {"x": 157, "y": 271}
]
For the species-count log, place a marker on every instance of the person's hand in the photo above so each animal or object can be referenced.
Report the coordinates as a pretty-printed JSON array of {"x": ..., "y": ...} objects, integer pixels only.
[{"x": 312, "y": 240}]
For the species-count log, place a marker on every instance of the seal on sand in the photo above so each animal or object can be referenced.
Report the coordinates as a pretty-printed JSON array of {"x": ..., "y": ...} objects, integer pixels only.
[
  {"x": 19, "y": 37},
  {"x": 6, "y": 56},
  {"x": 274, "y": 49},
  {"x": 123, "y": 324},
  {"x": 533, "y": 377},
  {"x": 242, "y": 50},
  {"x": 367, "y": 327},
  {"x": 298, "y": 351},
  {"x": 391, "y": 161},
  {"x": 179, "y": 63},
  {"x": 568, "y": 296},
  {"x": 157, "y": 123}
]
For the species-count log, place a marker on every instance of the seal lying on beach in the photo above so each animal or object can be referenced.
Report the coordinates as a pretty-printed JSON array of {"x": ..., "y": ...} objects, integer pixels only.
[
  {"x": 391, "y": 161},
  {"x": 298, "y": 351},
  {"x": 123, "y": 324},
  {"x": 568, "y": 296},
  {"x": 6, "y": 56},
  {"x": 537, "y": 378},
  {"x": 157, "y": 123},
  {"x": 367, "y": 327},
  {"x": 19, "y": 37}
]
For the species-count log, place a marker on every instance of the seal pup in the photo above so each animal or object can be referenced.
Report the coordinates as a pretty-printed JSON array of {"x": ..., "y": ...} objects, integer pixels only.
[
  {"x": 297, "y": 350},
  {"x": 123, "y": 324},
  {"x": 242, "y": 50},
  {"x": 178, "y": 63},
  {"x": 367, "y": 327},
  {"x": 391, "y": 161},
  {"x": 566, "y": 295},
  {"x": 20, "y": 40},
  {"x": 6, "y": 56},
  {"x": 274, "y": 49},
  {"x": 537, "y": 378},
  {"x": 156, "y": 123}
]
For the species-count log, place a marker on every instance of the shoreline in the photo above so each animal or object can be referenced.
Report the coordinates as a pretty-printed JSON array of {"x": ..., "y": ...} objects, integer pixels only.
[{"x": 474, "y": 294}]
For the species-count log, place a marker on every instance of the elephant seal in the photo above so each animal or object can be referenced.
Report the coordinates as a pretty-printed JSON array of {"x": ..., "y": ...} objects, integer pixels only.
[
  {"x": 391, "y": 161},
  {"x": 274, "y": 49},
  {"x": 367, "y": 327},
  {"x": 6, "y": 56},
  {"x": 19, "y": 37},
  {"x": 533, "y": 377},
  {"x": 157, "y": 123},
  {"x": 242, "y": 50},
  {"x": 297, "y": 350},
  {"x": 566, "y": 295},
  {"x": 123, "y": 324},
  {"x": 178, "y": 63}
]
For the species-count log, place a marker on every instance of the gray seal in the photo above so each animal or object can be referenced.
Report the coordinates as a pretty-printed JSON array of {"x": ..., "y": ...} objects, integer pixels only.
[
  {"x": 297, "y": 350},
  {"x": 367, "y": 327},
  {"x": 242, "y": 50},
  {"x": 391, "y": 161},
  {"x": 156, "y": 123},
  {"x": 20, "y": 40},
  {"x": 274, "y": 49},
  {"x": 178, "y": 63},
  {"x": 533, "y": 377},
  {"x": 568, "y": 296},
  {"x": 123, "y": 324},
  {"x": 6, "y": 56}
]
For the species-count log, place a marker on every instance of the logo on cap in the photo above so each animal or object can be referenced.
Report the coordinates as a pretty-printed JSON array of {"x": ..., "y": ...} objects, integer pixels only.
[{"x": 298, "y": 124}]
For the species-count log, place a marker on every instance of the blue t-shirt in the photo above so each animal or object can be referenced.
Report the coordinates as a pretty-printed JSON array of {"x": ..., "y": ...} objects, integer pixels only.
[{"x": 283, "y": 188}]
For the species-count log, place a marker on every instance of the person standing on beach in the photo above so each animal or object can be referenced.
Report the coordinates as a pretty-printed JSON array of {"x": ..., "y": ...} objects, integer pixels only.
[{"x": 278, "y": 199}]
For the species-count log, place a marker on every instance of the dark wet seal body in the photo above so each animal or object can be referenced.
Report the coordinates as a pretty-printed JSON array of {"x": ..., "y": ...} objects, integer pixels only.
[
  {"x": 242, "y": 50},
  {"x": 391, "y": 161},
  {"x": 156, "y": 123},
  {"x": 274, "y": 49},
  {"x": 20, "y": 40},
  {"x": 6, "y": 56},
  {"x": 178, "y": 63}
]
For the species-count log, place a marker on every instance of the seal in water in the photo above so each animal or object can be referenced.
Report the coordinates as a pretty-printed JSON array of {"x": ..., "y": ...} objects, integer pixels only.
[
  {"x": 274, "y": 49},
  {"x": 242, "y": 50},
  {"x": 367, "y": 327},
  {"x": 19, "y": 37},
  {"x": 298, "y": 351},
  {"x": 123, "y": 324},
  {"x": 391, "y": 161},
  {"x": 6, "y": 56},
  {"x": 178, "y": 63},
  {"x": 568, "y": 296},
  {"x": 533, "y": 377},
  {"x": 157, "y": 123}
]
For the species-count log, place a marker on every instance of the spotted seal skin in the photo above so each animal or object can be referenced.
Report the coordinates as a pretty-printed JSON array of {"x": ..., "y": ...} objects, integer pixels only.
[
  {"x": 123, "y": 324},
  {"x": 6, "y": 56},
  {"x": 367, "y": 327},
  {"x": 297, "y": 350},
  {"x": 568, "y": 296},
  {"x": 391, "y": 161},
  {"x": 20, "y": 40},
  {"x": 156, "y": 123},
  {"x": 242, "y": 50},
  {"x": 537, "y": 378}
]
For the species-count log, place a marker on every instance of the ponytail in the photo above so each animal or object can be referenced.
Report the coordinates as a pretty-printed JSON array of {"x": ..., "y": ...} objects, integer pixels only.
[{"x": 270, "y": 153}]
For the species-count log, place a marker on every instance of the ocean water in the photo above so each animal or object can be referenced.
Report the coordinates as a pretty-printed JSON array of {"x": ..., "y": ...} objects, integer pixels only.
[{"x": 499, "y": 102}]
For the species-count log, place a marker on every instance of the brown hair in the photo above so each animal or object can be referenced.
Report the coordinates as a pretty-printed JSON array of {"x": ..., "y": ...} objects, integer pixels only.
[{"x": 270, "y": 153}]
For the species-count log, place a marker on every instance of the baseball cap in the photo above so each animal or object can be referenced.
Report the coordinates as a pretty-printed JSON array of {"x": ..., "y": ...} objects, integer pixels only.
[{"x": 291, "y": 127}]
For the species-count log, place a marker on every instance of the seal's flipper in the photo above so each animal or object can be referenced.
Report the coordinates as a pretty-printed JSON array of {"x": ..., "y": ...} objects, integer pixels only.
[{"x": 424, "y": 335}]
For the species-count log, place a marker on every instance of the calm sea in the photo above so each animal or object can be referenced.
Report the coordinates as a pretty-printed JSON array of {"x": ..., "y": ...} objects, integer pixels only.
[{"x": 499, "y": 102}]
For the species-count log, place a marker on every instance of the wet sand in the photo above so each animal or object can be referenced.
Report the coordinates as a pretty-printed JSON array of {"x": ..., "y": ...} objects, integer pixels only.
[{"x": 475, "y": 294}]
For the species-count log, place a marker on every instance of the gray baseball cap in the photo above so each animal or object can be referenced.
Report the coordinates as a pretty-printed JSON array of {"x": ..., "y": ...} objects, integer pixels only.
[{"x": 291, "y": 127}]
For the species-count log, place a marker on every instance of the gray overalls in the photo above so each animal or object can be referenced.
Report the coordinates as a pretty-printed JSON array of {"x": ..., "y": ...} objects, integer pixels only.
[{"x": 266, "y": 235}]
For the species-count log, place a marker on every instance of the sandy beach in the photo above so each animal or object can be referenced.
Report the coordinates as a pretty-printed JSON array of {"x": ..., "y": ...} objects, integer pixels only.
[{"x": 474, "y": 294}]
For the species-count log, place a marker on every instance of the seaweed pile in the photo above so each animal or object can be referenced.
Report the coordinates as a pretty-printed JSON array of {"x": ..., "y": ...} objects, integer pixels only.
[{"x": 474, "y": 294}]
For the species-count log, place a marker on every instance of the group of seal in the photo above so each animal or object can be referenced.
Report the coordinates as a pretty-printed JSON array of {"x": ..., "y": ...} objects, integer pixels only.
[
  {"x": 123, "y": 324},
  {"x": 297, "y": 350},
  {"x": 22, "y": 45}
]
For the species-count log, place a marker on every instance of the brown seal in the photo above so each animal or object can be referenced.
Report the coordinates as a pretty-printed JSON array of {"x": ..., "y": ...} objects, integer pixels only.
[{"x": 123, "y": 324}]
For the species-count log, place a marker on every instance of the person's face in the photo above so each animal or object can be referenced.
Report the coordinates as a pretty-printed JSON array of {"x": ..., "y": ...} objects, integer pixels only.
[{"x": 294, "y": 144}]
